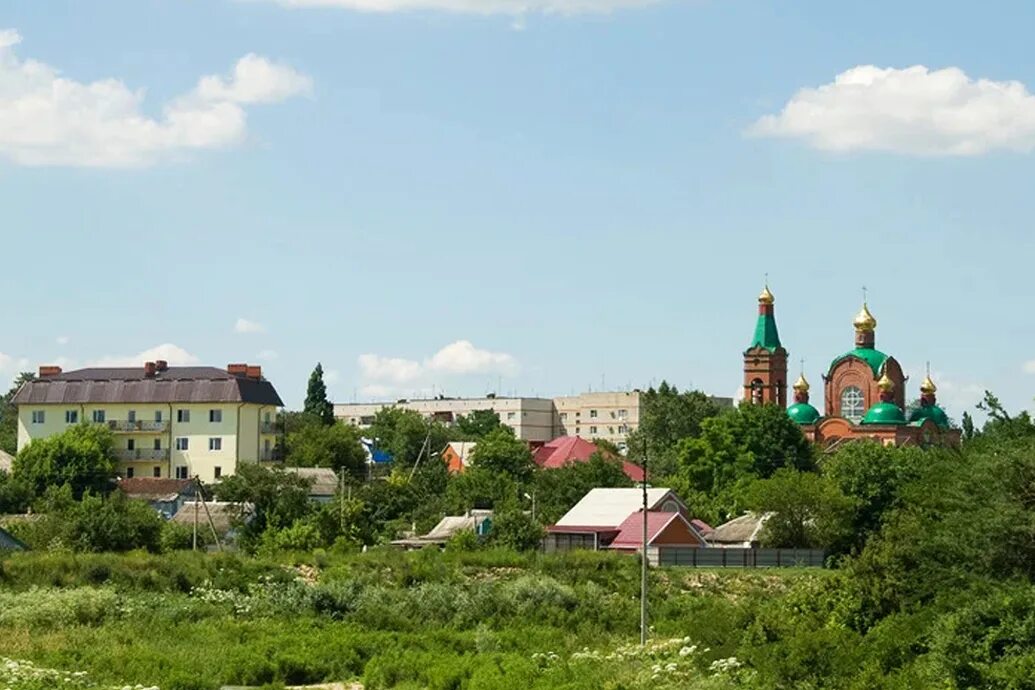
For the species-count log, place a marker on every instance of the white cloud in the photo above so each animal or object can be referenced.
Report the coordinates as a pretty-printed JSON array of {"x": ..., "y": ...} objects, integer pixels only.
[
  {"x": 48, "y": 119},
  {"x": 173, "y": 354},
  {"x": 462, "y": 357},
  {"x": 1029, "y": 366},
  {"x": 245, "y": 326},
  {"x": 397, "y": 370},
  {"x": 480, "y": 7},
  {"x": 915, "y": 110},
  {"x": 62, "y": 340}
]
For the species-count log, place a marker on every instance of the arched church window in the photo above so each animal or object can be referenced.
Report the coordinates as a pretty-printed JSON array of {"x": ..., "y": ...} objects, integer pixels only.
[
  {"x": 756, "y": 391},
  {"x": 853, "y": 405}
]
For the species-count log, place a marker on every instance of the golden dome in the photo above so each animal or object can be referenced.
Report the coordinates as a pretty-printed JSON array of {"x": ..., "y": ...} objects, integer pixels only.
[
  {"x": 801, "y": 384},
  {"x": 886, "y": 384},
  {"x": 864, "y": 320},
  {"x": 766, "y": 297},
  {"x": 927, "y": 386}
]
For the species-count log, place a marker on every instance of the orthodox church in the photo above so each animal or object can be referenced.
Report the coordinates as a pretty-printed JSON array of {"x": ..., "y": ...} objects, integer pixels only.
[{"x": 864, "y": 390}]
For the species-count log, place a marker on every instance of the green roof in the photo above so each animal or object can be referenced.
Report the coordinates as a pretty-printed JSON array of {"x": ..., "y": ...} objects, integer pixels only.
[
  {"x": 766, "y": 335},
  {"x": 932, "y": 412},
  {"x": 803, "y": 413},
  {"x": 875, "y": 358},
  {"x": 884, "y": 413}
]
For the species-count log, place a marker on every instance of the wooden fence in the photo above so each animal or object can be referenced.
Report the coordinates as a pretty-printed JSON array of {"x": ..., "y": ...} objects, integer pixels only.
[{"x": 742, "y": 558}]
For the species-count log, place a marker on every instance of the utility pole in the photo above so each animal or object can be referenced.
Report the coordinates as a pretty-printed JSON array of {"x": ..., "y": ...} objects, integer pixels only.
[
  {"x": 643, "y": 560},
  {"x": 341, "y": 499}
]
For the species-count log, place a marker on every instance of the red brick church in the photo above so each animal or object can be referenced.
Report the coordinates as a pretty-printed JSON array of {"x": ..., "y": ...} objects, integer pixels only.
[{"x": 864, "y": 392}]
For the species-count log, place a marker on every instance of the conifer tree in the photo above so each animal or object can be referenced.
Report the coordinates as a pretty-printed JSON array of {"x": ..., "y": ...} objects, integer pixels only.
[{"x": 317, "y": 405}]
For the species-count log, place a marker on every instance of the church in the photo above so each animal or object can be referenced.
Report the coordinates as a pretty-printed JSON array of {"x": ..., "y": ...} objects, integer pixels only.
[{"x": 864, "y": 390}]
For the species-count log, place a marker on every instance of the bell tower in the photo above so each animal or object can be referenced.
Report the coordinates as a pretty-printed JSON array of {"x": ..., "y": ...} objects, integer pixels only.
[{"x": 765, "y": 360}]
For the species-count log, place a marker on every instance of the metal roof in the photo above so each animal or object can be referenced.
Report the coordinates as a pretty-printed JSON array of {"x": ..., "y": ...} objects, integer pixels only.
[
  {"x": 130, "y": 385},
  {"x": 609, "y": 508}
]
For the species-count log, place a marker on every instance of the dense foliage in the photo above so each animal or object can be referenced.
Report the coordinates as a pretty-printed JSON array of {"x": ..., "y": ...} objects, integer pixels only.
[{"x": 82, "y": 458}]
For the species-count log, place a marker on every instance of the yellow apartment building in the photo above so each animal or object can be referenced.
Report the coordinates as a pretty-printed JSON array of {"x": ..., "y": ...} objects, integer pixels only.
[{"x": 174, "y": 422}]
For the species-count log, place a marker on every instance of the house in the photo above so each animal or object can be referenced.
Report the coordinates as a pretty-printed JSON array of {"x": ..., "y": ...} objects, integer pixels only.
[
  {"x": 596, "y": 520},
  {"x": 478, "y": 521},
  {"x": 6, "y": 462},
  {"x": 741, "y": 532},
  {"x": 457, "y": 455},
  {"x": 167, "y": 496},
  {"x": 8, "y": 542},
  {"x": 566, "y": 449},
  {"x": 665, "y": 532},
  {"x": 224, "y": 515},
  {"x": 324, "y": 482},
  {"x": 168, "y": 422}
]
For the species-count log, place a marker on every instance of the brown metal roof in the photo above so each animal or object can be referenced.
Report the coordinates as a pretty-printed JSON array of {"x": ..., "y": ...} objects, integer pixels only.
[{"x": 130, "y": 385}]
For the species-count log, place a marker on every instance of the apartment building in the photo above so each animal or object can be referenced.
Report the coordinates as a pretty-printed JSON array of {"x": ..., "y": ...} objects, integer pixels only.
[
  {"x": 532, "y": 419},
  {"x": 598, "y": 416},
  {"x": 173, "y": 422}
]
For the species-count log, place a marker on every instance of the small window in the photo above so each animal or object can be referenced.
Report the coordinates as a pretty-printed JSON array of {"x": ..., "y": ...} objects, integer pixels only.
[
  {"x": 157, "y": 472},
  {"x": 266, "y": 418},
  {"x": 266, "y": 445},
  {"x": 853, "y": 404},
  {"x": 182, "y": 443},
  {"x": 99, "y": 417},
  {"x": 592, "y": 430},
  {"x": 181, "y": 472},
  {"x": 215, "y": 443},
  {"x": 592, "y": 414},
  {"x": 38, "y": 416},
  {"x": 158, "y": 416},
  {"x": 131, "y": 416},
  {"x": 183, "y": 416},
  {"x": 564, "y": 416},
  {"x": 158, "y": 444},
  {"x": 577, "y": 431},
  {"x": 622, "y": 414},
  {"x": 215, "y": 416},
  {"x": 71, "y": 416},
  {"x": 129, "y": 473},
  {"x": 218, "y": 471},
  {"x": 131, "y": 444},
  {"x": 511, "y": 415},
  {"x": 623, "y": 429}
]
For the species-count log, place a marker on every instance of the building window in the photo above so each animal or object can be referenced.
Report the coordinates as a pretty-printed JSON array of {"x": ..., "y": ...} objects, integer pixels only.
[
  {"x": 623, "y": 429},
  {"x": 215, "y": 416},
  {"x": 215, "y": 443},
  {"x": 592, "y": 430},
  {"x": 158, "y": 416},
  {"x": 38, "y": 416},
  {"x": 592, "y": 414},
  {"x": 182, "y": 443},
  {"x": 266, "y": 418},
  {"x": 853, "y": 405},
  {"x": 181, "y": 472},
  {"x": 129, "y": 473},
  {"x": 158, "y": 444},
  {"x": 366, "y": 421},
  {"x": 511, "y": 415},
  {"x": 183, "y": 416},
  {"x": 99, "y": 417},
  {"x": 131, "y": 416},
  {"x": 218, "y": 471},
  {"x": 577, "y": 430},
  {"x": 622, "y": 414},
  {"x": 71, "y": 416},
  {"x": 564, "y": 416},
  {"x": 131, "y": 444},
  {"x": 157, "y": 472}
]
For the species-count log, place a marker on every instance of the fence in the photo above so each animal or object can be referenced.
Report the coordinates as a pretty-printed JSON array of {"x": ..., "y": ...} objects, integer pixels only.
[{"x": 742, "y": 558}]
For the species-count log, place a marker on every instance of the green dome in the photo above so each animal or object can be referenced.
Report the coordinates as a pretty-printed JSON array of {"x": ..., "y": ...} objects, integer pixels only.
[
  {"x": 932, "y": 412},
  {"x": 875, "y": 358},
  {"x": 884, "y": 413},
  {"x": 803, "y": 413}
]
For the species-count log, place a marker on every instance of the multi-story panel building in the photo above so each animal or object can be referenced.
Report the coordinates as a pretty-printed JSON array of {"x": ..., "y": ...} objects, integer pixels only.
[
  {"x": 532, "y": 419},
  {"x": 598, "y": 416},
  {"x": 177, "y": 422}
]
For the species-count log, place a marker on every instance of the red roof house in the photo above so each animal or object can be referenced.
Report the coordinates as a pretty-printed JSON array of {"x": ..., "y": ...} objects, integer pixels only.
[
  {"x": 663, "y": 529},
  {"x": 560, "y": 451}
]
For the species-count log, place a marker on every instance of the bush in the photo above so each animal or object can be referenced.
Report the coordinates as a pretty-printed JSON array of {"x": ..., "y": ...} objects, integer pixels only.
[{"x": 514, "y": 529}]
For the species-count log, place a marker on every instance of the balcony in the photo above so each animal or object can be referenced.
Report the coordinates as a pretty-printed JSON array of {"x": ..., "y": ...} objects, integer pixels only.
[
  {"x": 271, "y": 455},
  {"x": 144, "y": 454},
  {"x": 123, "y": 426},
  {"x": 269, "y": 427}
]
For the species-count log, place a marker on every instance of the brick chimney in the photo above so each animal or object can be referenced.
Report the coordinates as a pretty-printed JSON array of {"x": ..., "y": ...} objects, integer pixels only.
[
  {"x": 49, "y": 370},
  {"x": 237, "y": 369},
  {"x": 162, "y": 365},
  {"x": 149, "y": 370},
  {"x": 254, "y": 372}
]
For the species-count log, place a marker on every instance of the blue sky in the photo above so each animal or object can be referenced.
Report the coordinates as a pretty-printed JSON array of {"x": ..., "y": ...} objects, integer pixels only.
[{"x": 539, "y": 195}]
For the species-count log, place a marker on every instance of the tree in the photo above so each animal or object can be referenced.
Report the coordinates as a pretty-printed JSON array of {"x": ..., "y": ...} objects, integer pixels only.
[
  {"x": 336, "y": 446},
  {"x": 808, "y": 510},
  {"x": 407, "y": 435},
  {"x": 515, "y": 529},
  {"x": 1001, "y": 424},
  {"x": 82, "y": 458},
  {"x": 15, "y": 494},
  {"x": 95, "y": 523},
  {"x": 9, "y": 414},
  {"x": 967, "y": 424},
  {"x": 557, "y": 490},
  {"x": 481, "y": 488},
  {"x": 666, "y": 418},
  {"x": 277, "y": 498},
  {"x": 503, "y": 453},
  {"x": 477, "y": 424},
  {"x": 316, "y": 403}
]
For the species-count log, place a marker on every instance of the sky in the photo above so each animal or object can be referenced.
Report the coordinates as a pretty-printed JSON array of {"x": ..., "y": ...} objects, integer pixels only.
[{"x": 533, "y": 197}]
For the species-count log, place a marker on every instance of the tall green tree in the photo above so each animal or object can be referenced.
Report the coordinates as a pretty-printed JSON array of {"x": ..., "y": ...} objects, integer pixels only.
[
  {"x": 501, "y": 452},
  {"x": 668, "y": 416},
  {"x": 9, "y": 414},
  {"x": 808, "y": 510},
  {"x": 406, "y": 434},
  {"x": 336, "y": 446},
  {"x": 82, "y": 458},
  {"x": 316, "y": 403},
  {"x": 477, "y": 424},
  {"x": 277, "y": 498}
]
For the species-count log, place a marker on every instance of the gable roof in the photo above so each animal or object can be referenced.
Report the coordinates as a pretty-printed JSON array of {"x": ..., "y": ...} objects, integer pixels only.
[
  {"x": 8, "y": 542},
  {"x": 630, "y": 532},
  {"x": 131, "y": 385},
  {"x": 149, "y": 488},
  {"x": 560, "y": 451},
  {"x": 609, "y": 508},
  {"x": 740, "y": 530},
  {"x": 463, "y": 449},
  {"x": 324, "y": 480}
]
